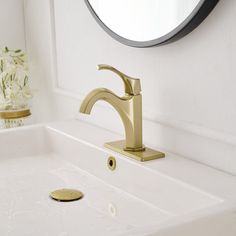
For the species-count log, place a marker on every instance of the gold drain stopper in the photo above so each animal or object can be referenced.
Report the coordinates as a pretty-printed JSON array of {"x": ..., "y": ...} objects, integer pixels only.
[{"x": 66, "y": 195}]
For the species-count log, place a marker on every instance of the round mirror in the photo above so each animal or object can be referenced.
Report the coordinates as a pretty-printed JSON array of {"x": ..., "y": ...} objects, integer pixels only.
[{"x": 146, "y": 23}]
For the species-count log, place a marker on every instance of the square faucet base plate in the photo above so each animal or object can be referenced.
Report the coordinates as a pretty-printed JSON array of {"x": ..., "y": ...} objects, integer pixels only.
[{"x": 146, "y": 155}]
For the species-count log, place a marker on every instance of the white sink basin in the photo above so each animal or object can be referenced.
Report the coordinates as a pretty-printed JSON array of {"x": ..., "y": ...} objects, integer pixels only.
[{"x": 135, "y": 199}]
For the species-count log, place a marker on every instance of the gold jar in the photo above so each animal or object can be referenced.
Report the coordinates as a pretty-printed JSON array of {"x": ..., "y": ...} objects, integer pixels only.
[{"x": 13, "y": 118}]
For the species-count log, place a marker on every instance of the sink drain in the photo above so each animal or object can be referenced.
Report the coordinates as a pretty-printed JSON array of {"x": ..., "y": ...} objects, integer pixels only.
[{"x": 66, "y": 195}]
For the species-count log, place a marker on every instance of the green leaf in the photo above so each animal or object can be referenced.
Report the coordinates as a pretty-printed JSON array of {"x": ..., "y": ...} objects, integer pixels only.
[
  {"x": 1, "y": 65},
  {"x": 18, "y": 51},
  {"x": 26, "y": 80}
]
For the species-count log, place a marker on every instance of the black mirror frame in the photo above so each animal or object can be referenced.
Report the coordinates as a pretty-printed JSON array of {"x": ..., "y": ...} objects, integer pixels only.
[{"x": 201, "y": 11}]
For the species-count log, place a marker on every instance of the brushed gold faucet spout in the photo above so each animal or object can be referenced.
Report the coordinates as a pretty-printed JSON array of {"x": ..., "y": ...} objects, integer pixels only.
[{"x": 92, "y": 98}]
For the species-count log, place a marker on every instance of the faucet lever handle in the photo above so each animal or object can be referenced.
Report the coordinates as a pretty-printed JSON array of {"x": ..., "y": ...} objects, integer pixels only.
[{"x": 132, "y": 85}]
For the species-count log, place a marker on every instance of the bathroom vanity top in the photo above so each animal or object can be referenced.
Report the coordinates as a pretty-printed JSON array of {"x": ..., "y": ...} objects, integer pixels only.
[{"x": 166, "y": 197}]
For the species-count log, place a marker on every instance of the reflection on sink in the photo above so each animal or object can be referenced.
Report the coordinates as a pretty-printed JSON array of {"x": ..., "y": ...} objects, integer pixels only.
[{"x": 44, "y": 158}]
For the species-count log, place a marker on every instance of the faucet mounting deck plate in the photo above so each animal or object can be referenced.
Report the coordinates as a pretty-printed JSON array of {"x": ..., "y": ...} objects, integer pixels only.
[{"x": 146, "y": 155}]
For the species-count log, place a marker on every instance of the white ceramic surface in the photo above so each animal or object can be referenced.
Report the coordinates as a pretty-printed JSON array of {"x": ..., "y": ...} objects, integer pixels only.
[{"x": 135, "y": 199}]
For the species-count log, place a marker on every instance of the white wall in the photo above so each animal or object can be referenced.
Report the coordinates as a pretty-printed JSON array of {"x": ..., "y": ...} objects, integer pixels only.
[
  {"x": 189, "y": 97},
  {"x": 12, "y": 32}
]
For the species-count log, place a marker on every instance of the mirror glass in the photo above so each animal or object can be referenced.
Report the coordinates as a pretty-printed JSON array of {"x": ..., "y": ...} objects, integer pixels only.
[{"x": 144, "y": 20}]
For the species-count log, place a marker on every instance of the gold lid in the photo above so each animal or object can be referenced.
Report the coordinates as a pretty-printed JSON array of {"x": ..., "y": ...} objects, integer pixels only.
[
  {"x": 14, "y": 114},
  {"x": 66, "y": 195}
]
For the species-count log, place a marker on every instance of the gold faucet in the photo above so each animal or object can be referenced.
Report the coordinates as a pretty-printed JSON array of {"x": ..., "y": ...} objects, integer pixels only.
[{"x": 129, "y": 108}]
